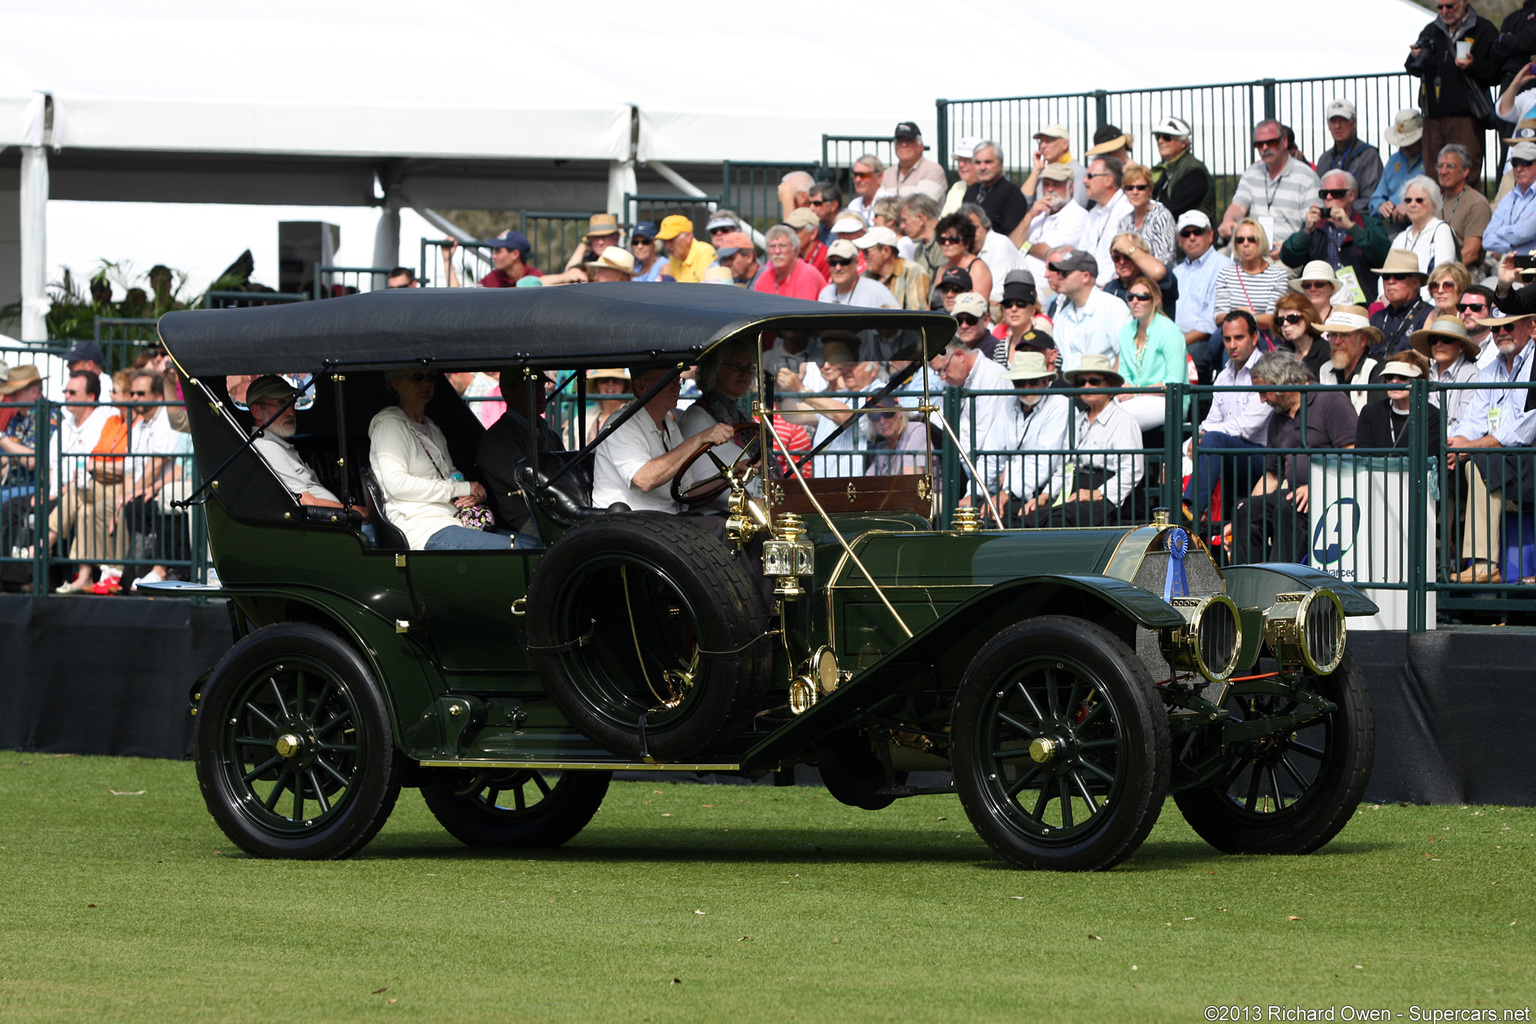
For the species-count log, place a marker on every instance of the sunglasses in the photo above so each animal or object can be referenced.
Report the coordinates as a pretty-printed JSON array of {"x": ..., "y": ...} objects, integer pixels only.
[
  {"x": 861, "y": 175},
  {"x": 837, "y": 261},
  {"x": 1313, "y": 286},
  {"x": 1501, "y": 329},
  {"x": 1266, "y": 143},
  {"x": 1398, "y": 277},
  {"x": 1138, "y": 188},
  {"x": 1163, "y": 138},
  {"x": 1098, "y": 174},
  {"x": 1191, "y": 232},
  {"x": 138, "y": 394},
  {"x": 1138, "y": 297},
  {"x": 1415, "y": 200},
  {"x": 967, "y": 319},
  {"x": 1443, "y": 286},
  {"x": 949, "y": 239},
  {"x": 1332, "y": 193},
  {"x": 1517, "y": 162},
  {"x": 1293, "y": 318},
  {"x": 1015, "y": 304},
  {"x": 887, "y": 415},
  {"x": 1472, "y": 307},
  {"x": 1092, "y": 382},
  {"x": 1246, "y": 240},
  {"x": 638, "y": 240},
  {"x": 820, "y": 202},
  {"x": 722, "y": 229},
  {"x": 1393, "y": 378}
]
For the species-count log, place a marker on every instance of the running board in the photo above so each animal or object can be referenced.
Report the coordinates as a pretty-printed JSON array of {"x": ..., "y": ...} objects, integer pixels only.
[{"x": 573, "y": 766}]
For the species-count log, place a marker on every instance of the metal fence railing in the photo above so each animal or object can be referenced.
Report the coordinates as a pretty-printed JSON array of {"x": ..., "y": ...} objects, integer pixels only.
[
  {"x": 752, "y": 189},
  {"x": 658, "y": 207},
  {"x": 241, "y": 299},
  {"x": 1222, "y": 116},
  {"x": 334, "y": 282}
]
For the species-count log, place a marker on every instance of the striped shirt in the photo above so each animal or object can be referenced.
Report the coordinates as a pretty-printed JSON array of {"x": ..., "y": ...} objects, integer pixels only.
[
  {"x": 1280, "y": 204},
  {"x": 1257, "y": 293},
  {"x": 1157, "y": 231}
]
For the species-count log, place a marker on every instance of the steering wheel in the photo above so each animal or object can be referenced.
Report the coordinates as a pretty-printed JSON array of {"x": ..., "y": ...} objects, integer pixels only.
[{"x": 738, "y": 473}]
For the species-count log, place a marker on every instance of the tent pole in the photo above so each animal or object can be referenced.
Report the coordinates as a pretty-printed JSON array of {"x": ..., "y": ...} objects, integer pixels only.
[
  {"x": 621, "y": 180},
  {"x": 386, "y": 241},
  {"x": 34, "y": 243}
]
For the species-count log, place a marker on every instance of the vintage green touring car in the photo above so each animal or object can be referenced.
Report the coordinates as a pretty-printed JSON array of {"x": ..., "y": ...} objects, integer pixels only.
[{"x": 1064, "y": 682}]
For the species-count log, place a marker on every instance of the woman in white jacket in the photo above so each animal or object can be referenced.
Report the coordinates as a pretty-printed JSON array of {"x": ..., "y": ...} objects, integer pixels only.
[
  {"x": 423, "y": 492},
  {"x": 1427, "y": 236}
]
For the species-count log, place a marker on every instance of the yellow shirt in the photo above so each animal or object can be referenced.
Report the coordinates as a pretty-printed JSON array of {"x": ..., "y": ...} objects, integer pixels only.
[{"x": 691, "y": 270}]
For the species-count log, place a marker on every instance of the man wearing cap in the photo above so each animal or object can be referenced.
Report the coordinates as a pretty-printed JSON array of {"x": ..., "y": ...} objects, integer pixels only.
[
  {"x": 1351, "y": 339},
  {"x": 1336, "y": 234},
  {"x": 1453, "y": 58},
  {"x": 847, "y": 287},
  {"x": 1090, "y": 320},
  {"x": 688, "y": 256},
  {"x": 1109, "y": 207},
  {"x": 994, "y": 191},
  {"x": 1026, "y": 437},
  {"x": 1052, "y": 221},
  {"x": 965, "y": 170},
  {"x": 1179, "y": 181},
  {"x": 961, "y": 366},
  {"x": 974, "y": 324},
  {"x": 1494, "y": 418},
  {"x": 1091, "y": 488},
  {"x": 649, "y": 265},
  {"x": 955, "y": 282},
  {"x": 721, "y": 222},
  {"x": 1465, "y": 209},
  {"x": 1350, "y": 153},
  {"x": 1404, "y": 310},
  {"x": 788, "y": 274},
  {"x": 1406, "y": 133},
  {"x": 1384, "y": 419},
  {"x": 1275, "y": 191},
  {"x": 738, "y": 255},
  {"x": 602, "y": 231},
  {"x": 907, "y": 282},
  {"x": 23, "y": 385},
  {"x": 913, "y": 173},
  {"x": 1513, "y": 225},
  {"x": 826, "y": 203},
  {"x": 1196, "y": 274},
  {"x": 1055, "y": 147},
  {"x": 919, "y": 221},
  {"x": 613, "y": 264},
  {"x": 808, "y": 233},
  {"x": 1232, "y": 432},
  {"x": 276, "y": 419},
  {"x": 87, "y": 356},
  {"x": 850, "y": 227},
  {"x": 867, "y": 171},
  {"x": 509, "y": 258}
]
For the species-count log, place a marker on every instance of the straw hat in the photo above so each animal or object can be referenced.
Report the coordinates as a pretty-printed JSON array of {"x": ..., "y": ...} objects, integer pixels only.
[
  {"x": 1407, "y": 128},
  {"x": 608, "y": 375},
  {"x": 1027, "y": 365},
  {"x": 614, "y": 258},
  {"x": 1423, "y": 340},
  {"x": 1318, "y": 270},
  {"x": 1400, "y": 261},
  {"x": 1349, "y": 319},
  {"x": 601, "y": 224},
  {"x": 1098, "y": 364},
  {"x": 19, "y": 378}
]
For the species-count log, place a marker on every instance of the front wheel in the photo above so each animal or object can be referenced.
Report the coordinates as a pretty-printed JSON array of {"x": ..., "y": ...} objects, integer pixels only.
[
  {"x": 1290, "y": 791},
  {"x": 1060, "y": 746},
  {"x": 521, "y": 807},
  {"x": 294, "y": 750}
]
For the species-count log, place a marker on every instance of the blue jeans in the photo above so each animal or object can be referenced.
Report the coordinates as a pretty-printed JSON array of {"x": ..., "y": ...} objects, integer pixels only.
[
  {"x": 1241, "y": 469},
  {"x": 462, "y": 538}
]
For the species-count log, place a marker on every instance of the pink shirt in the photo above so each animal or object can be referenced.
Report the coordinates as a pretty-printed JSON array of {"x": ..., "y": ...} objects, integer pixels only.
[{"x": 804, "y": 282}]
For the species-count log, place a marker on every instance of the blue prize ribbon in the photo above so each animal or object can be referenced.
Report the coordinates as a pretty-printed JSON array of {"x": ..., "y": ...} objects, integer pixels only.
[{"x": 1176, "y": 584}]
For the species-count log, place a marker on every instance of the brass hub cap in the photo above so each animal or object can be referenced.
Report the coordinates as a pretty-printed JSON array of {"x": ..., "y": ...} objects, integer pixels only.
[
  {"x": 289, "y": 744},
  {"x": 1044, "y": 750}
]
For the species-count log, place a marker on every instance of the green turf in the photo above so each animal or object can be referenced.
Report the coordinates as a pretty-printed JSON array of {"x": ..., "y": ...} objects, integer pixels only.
[{"x": 687, "y": 902}]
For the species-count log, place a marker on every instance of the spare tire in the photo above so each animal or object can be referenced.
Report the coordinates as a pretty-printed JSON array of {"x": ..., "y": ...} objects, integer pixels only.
[{"x": 648, "y": 633}]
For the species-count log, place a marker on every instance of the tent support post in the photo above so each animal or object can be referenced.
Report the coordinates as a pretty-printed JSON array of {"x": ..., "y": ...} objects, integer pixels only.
[
  {"x": 386, "y": 241},
  {"x": 34, "y": 243},
  {"x": 621, "y": 180}
]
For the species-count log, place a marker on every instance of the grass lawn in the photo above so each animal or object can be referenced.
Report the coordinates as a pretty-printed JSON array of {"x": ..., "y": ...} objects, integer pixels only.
[{"x": 688, "y": 902}]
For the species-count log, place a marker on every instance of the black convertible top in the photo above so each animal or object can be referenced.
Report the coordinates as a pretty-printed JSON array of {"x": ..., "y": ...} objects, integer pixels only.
[{"x": 574, "y": 326}]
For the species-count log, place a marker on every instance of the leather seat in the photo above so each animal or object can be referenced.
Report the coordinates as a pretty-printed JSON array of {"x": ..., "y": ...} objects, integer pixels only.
[{"x": 568, "y": 500}]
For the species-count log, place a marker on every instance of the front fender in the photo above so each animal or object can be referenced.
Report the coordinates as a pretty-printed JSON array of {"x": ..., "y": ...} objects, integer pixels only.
[{"x": 1257, "y": 586}]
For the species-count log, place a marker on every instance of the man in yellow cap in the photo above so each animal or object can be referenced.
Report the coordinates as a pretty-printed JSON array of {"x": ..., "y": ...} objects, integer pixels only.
[{"x": 690, "y": 257}]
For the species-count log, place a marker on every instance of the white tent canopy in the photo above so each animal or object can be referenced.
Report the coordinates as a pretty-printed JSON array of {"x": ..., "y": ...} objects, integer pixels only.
[{"x": 21, "y": 107}]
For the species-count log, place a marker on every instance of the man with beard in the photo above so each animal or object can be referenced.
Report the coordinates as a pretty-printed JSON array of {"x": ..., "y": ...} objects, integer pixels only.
[
  {"x": 1055, "y": 149},
  {"x": 1033, "y": 428},
  {"x": 1053, "y": 221},
  {"x": 1350, "y": 334},
  {"x": 267, "y": 396}
]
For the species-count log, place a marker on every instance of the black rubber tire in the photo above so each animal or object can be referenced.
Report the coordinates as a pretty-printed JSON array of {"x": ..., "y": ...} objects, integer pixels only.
[
  {"x": 1292, "y": 792},
  {"x": 1080, "y": 687},
  {"x": 687, "y": 594},
  {"x": 295, "y": 680},
  {"x": 517, "y": 808}
]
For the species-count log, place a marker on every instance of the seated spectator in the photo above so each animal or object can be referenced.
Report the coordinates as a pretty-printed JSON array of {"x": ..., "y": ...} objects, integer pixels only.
[
  {"x": 1277, "y": 189},
  {"x": 508, "y": 443},
  {"x": 1406, "y": 133},
  {"x": 956, "y": 236},
  {"x": 603, "y": 231},
  {"x": 913, "y": 174},
  {"x": 1027, "y": 438},
  {"x": 994, "y": 191},
  {"x": 649, "y": 266},
  {"x": 1021, "y": 318},
  {"x": 1152, "y": 355},
  {"x": 1000, "y": 255},
  {"x": 81, "y": 422},
  {"x": 808, "y": 232},
  {"x": 1252, "y": 282},
  {"x": 722, "y": 222},
  {"x": 1493, "y": 418},
  {"x": 405, "y": 277},
  {"x": 954, "y": 283},
  {"x": 87, "y": 357},
  {"x": 1426, "y": 236},
  {"x": 788, "y": 274},
  {"x": 1053, "y": 221},
  {"x": 1351, "y": 153},
  {"x": 1055, "y": 149},
  {"x": 1321, "y": 286},
  {"x": 688, "y": 255},
  {"x": 1350, "y": 336},
  {"x": 1109, "y": 140},
  {"x": 887, "y": 214},
  {"x": 1384, "y": 419},
  {"x": 850, "y": 227},
  {"x": 1271, "y": 525},
  {"x": 965, "y": 171},
  {"x": 867, "y": 170},
  {"x": 843, "y": 373},
  {"x": 509, "y": 260},
  {"x": 1465, "y": 209},
  {"x": 1147, "y": 217},
  {"x": 273, "y": 402},
  {"x": 1132, "y": 259},
  {"x": 1403, "y": 310},
  {"x": 636, "y": 463},
  {"x": 1110, "y": 207},
  {"x": 1089, "y": 321},
  {"x": 1197, "y": 275},
  {"x": 152, "y": 446},
  {"x": 1181, "y": 183},
  {"x": 1297, "y": 328},
  {"x": 1477, "y": 304},
  {"x": 898, "y": 445},
  {"x": 1513, "y": 225},
  {"x": 18, "y": 441},
  {"x": 919, "y": 222},
  {"x": 605, "y": 382},
  {"x": 101, "y": 540},
  {"x": 738, "y": 255},
  {"x": 908, "y": 282},
  {"x": 1333, "y": 233},
  {"x": 847, "y": 287},
  {"x": 826, "y": 203},
  {"x": 794, "y": 192},
  {"x": 961, "y": 366},
  {"x": 423, "y": 493},
  {"x": 974, "y": 325},
  {"x": 1446, "y": 283},
  {"x": 1105, "y": 465},
  {"x": 1233, "y": 431},
  {"x": 613, "y": 265}
]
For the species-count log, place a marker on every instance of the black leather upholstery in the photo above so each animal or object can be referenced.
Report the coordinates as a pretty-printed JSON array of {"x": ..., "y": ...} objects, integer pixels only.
[
  {"x": 567, "y": 500},
  {"x": 387, "y": 536}
]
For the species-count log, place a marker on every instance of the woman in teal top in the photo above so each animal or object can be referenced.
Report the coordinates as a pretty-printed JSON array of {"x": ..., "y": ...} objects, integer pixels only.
[{"x": 1152, "y": 353}]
